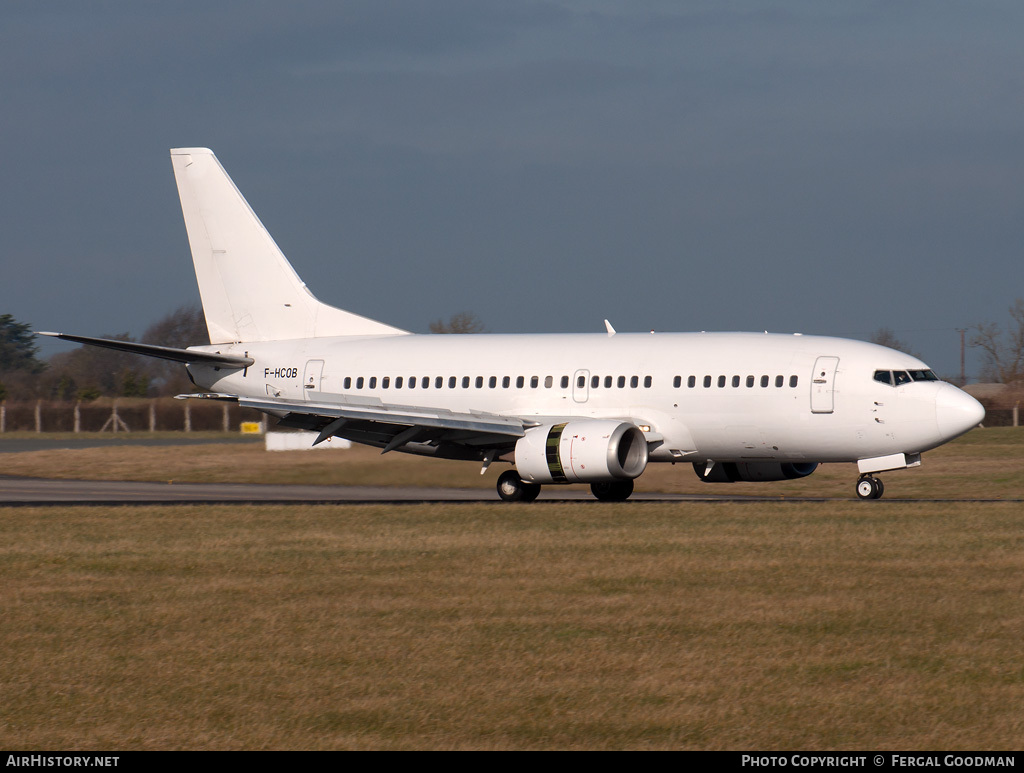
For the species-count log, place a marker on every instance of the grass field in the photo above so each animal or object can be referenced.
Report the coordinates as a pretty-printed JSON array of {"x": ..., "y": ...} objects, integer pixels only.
[
  {"x": 634, "y": 626},
  {"x": 985, "y": 463},
  {"x": 779, "y": 625}
]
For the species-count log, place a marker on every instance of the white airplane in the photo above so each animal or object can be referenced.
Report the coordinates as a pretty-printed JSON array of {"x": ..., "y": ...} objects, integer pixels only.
[{"x": 584, "y": 408}]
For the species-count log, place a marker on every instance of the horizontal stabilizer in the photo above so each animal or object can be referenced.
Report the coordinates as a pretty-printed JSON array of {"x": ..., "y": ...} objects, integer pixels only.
[{"x": 162, "y": 352}]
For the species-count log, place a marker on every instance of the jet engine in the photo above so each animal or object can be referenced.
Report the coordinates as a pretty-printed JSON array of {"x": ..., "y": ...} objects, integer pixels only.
[
  {"x": 730, "y": 472},
  {"x": 581, "y": 451}
]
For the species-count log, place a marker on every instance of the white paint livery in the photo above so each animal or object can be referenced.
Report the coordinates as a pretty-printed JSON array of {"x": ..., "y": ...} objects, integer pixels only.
[{"x": 563, "y": 408}]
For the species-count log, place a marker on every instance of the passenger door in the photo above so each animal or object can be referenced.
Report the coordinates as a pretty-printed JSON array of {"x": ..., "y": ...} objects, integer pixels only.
[{"x": 823, "y": 385}]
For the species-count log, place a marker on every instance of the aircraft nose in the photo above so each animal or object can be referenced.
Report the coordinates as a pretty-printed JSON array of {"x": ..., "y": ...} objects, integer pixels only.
[{"x": 956, "y": 411}]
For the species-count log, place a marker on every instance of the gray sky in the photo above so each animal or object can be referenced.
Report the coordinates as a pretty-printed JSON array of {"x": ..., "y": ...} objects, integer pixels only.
[{"x": 821, "y": 167}]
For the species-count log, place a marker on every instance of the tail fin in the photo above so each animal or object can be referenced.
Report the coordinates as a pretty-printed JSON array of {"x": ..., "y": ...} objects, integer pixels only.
[{"x": 250, "y": 291}]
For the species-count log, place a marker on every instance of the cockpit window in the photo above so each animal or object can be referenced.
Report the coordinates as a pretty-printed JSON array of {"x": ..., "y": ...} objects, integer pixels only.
[{"x": 899, "y": 377}]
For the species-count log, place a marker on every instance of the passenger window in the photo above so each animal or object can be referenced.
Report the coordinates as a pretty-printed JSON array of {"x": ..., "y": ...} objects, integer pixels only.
[
  {"x": 519, "y": 382},
  {"x": 622, "y": 382},
  {"x": 506, "y": 381},
  {"x": 735, "y": 381},
  {"x": 779, "y": 381},
  {"x": 707, "y": 382},
  {"x": 793, "y": 381},
  {"x": 750, "y": 381},
  {"x": 677, "y": 382},
  {"x": 595, "y": 382},
  {"x": 691, "y": 382},
  {"x": 465, "y": 382},
  {"x": 479, "y": 382},
  {"x": 398, "y": 382},
  {"x": 359, "y": 382},
  {"x": 492, "y": 382},
  {"x": 385, "y": 382},
  {"x": 607, "y": 382},
  {"x": 647, "y": 382},
  {"x": 348, "y": 382},
  {"x": 548, "y": 382},
  {"x": 764, "y": 381},
  {"x": 373, "y": 382},
  {"x": 451, "y": 382},
  {"x": 634, "y": 381},
  {"x": 426, "y": 382},
  {"x": 721, "y": 381},
  {"x": 534, "y": 382},
  {"x": 581, "y": 382}
]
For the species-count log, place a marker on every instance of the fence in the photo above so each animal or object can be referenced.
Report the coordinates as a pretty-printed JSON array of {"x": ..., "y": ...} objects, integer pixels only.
[{"x": 125, "y": 415}]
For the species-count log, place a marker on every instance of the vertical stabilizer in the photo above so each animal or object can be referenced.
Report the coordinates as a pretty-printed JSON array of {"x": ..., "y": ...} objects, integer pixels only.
[{"x": 250, "y": 291}]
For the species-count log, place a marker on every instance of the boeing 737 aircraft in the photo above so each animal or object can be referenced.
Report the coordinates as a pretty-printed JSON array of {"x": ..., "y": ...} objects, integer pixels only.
[{"x": 586, "y": 408}]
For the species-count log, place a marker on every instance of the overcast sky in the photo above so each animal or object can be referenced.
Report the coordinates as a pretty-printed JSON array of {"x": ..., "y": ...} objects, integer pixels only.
[{"x": 818, "y": 167}]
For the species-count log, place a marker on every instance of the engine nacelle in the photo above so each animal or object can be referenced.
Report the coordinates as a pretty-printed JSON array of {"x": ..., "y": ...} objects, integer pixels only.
[
  {"x": 730, "y": 472},
  {"x": 584, "y": 451}
]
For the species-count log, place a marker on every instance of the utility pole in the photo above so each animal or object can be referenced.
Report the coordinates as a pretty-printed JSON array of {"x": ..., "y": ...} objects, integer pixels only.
[{"x": 963, "y": 371}]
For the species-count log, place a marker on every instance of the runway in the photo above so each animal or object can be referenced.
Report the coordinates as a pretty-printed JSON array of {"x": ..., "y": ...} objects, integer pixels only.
[
  {"x": 23, "y": 492},
  {"x": 37, "y": 491}
]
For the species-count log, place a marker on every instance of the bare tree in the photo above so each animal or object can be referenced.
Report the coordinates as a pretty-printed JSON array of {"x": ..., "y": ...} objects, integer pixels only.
[
  {"x": 183, "y": 327},
  {"x": 463, "y": 322},
  {"x": 89, "y": 372},
  {"x": 1003, "y": 354},
  {"x": 885, "y": 336}
]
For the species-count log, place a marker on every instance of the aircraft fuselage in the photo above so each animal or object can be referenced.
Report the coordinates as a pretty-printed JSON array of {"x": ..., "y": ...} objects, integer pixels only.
[{"x": 707, "y": 396}]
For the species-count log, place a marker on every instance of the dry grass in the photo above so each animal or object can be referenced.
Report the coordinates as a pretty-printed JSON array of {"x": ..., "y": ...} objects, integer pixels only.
[
  {"x": 986, "y": 463},
  {"x": 755, "y": 626}
]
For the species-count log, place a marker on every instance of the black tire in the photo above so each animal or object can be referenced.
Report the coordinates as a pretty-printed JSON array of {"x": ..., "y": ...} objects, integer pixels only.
[
  {"x": 869, "y": 488},
  {"x": 512, "y": 488},
  {"x": 612, "y": 490}
]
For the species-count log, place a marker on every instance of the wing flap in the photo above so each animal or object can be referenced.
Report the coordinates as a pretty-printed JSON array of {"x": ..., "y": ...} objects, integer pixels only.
[
  {"x": 391, "y": 427},
  {"x": 395, "y": 415}
]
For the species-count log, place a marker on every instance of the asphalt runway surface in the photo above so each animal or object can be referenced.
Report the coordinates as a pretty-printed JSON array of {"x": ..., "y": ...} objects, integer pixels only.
[
  {"x": 17, "y": 491},
  {"x": 23, "y": 492},
  {"x": 38, "y": 491}
]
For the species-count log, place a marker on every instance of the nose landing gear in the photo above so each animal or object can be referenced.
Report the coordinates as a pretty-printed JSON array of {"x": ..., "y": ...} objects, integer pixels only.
[{"x": 869, "y": 488}]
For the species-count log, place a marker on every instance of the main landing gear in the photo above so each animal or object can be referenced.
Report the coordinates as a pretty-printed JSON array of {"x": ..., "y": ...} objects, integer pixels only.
[
  {"x": 869, "y": 488},
  {"x": 512, "y": 488},
  {"x": 612, "y": 490}
]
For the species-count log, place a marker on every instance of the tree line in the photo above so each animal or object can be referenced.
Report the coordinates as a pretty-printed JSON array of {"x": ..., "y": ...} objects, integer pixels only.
[{"x": 89, "y": 372}]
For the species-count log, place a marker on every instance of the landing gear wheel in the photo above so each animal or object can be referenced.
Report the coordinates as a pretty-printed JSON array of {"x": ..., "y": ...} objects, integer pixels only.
[
  {"x": 869, "y": 488},
  {"x": 512, "y": 488},
  {"x": 612, "y": 490}
]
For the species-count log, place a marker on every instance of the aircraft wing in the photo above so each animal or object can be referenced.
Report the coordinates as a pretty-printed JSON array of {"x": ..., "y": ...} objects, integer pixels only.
[{"x": 428, "y": 431}]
